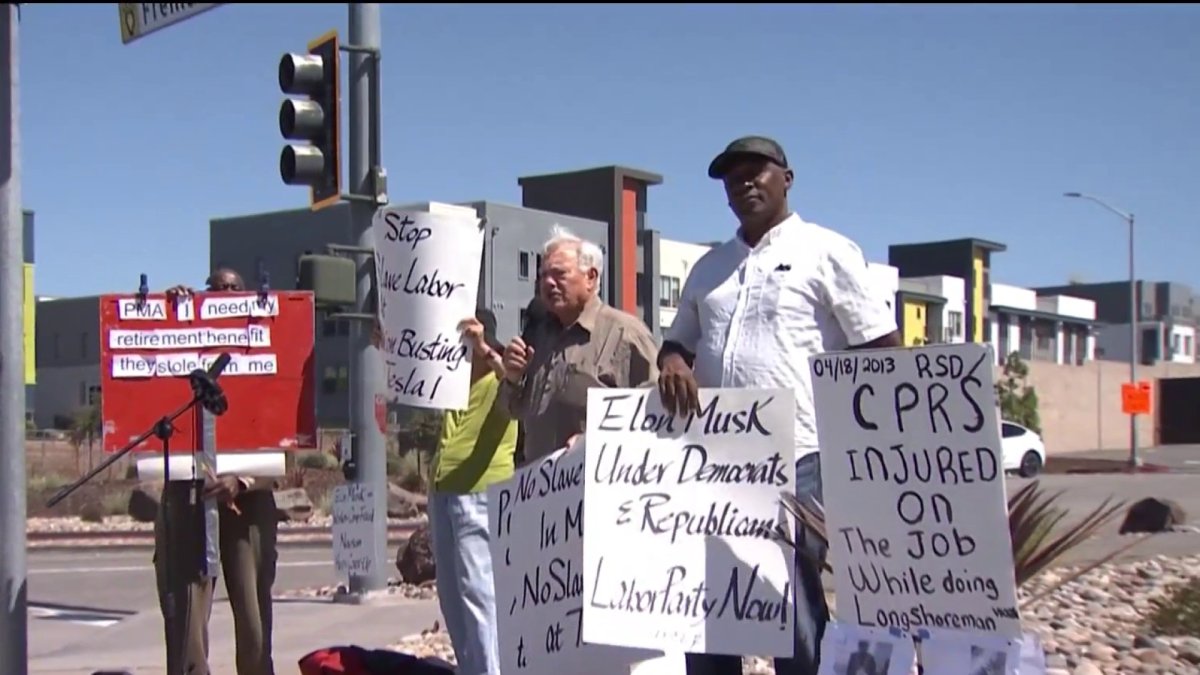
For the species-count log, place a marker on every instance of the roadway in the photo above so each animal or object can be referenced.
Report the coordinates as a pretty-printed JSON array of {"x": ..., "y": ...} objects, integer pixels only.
[{"x": 122, "y": 580}]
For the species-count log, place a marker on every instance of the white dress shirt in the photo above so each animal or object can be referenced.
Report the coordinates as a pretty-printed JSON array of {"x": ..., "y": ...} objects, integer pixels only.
[{"x": 753, "y": 316}]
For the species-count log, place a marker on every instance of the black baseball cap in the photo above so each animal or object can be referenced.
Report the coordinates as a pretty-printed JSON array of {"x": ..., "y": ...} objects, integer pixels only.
[{"x": 752, "y": 146}]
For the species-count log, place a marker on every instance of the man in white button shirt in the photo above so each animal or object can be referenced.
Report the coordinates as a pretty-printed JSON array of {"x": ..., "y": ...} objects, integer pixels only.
[{"x": 751, "y": 313}]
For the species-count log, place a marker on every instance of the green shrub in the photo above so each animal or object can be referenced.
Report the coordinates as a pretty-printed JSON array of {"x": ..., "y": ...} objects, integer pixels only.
[{"x": 1177, "y": 613}]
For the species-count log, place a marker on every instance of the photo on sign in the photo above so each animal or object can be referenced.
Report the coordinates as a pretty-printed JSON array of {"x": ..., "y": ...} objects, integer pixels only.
[
  {"x": 857, "y": 650},
  {"x": 946, "y": 652}
]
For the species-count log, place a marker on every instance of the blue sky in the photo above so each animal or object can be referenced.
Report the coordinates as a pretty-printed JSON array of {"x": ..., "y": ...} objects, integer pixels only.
[{"x": 902, "y": 123}]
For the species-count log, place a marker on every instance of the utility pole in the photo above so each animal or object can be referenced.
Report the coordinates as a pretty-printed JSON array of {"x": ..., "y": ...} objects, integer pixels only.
[
  {"x": 368, "y": 404},
  {"x": 316, "y": 118},
  {"x": 13, "y": 587},
  {"x": 1135, "y": 459}
]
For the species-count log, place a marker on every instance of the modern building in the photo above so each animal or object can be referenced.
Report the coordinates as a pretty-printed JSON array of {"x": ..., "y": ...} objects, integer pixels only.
[
  {"x": 1166, "y": 317},
  {"x": 675, "y": 262},
  {"x": 1042, "y": 327},
  {"x": 615, "y": 195},
  {"x": 967, "y": 259},
  {"x": 274, "y": 242},
  {"x": 68, "y": 359},
  {"x": 931, "y": 309}
]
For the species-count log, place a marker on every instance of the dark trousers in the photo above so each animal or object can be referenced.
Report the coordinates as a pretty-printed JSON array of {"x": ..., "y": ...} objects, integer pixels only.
[{"x": 248, "y": 558}]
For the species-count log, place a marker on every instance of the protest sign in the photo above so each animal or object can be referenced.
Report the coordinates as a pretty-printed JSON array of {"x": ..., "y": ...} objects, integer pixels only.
[
  {"x": 149, "y": 345},
  {"x": 914, "y": 489},
  {"x": 949, "y": 652},
  {"x": 848, "y": 649},
  {"x": 536, "y": 525},
  {"x": 681, "y": 516},
  {"x": 427, "y": 274},
  {"x": 353, "y": 522}
]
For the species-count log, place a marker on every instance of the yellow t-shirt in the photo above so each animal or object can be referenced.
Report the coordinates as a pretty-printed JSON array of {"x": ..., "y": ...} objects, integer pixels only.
[{"x": 477, "y": 444}]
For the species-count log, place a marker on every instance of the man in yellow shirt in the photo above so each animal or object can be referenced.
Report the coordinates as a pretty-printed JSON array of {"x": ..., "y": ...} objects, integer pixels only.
[{"x": 475, "y": 450}]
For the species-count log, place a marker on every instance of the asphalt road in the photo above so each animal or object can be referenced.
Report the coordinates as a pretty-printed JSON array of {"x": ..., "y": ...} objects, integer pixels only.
[
  {"x": 123, "y": 580},
  {"x": 1178, "y": 457}
]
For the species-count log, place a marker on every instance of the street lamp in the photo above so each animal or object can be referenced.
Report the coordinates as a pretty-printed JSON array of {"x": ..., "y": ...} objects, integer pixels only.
[{"x": 1134, "y": 460}]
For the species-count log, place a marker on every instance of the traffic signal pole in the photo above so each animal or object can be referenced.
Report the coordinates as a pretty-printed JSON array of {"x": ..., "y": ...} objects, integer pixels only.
[
  {"x": 13, "y": 581},
  {"x": 368, "y": 404}
]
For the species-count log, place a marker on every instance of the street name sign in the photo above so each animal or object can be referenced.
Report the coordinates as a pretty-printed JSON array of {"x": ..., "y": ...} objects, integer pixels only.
[{"x": 139, "y": 19}]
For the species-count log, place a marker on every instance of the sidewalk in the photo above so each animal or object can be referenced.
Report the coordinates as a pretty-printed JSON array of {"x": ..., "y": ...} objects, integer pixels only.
[{"x": 301, "y": 626}]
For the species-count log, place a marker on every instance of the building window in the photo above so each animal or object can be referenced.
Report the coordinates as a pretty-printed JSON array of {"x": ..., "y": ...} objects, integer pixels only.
[
  {"x": 641, "y": 290},
  {"x": 1187, "y": 345},
  {"x": 83, "y": 345},
  {"x": 668, "y": 292},
  {"x": 955, "y": 319},
  {"x": 1175, "y": 346},
  {"x": 329, "y": 381},
  {"x": 523, "y": 265}
]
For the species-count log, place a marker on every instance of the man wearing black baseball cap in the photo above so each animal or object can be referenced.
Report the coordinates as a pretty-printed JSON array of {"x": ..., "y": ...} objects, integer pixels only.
[{"x": 792, "y": 289}]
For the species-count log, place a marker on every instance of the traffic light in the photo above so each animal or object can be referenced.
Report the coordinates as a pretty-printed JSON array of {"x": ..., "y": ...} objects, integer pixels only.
[{"x": 316, "y": 119}]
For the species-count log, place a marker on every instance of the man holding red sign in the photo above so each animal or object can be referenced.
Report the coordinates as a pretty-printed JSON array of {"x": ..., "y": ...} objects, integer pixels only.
[{"x": 248, "y": 529}]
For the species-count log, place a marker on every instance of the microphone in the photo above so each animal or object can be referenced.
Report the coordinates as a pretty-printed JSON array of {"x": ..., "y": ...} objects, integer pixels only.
[
  {"x": 205, "y": 388},
  {"x": 535, "y": 314}
]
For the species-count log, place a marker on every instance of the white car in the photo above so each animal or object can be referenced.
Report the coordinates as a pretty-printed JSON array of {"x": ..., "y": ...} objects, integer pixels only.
[{"x": 1024, "y": 451}]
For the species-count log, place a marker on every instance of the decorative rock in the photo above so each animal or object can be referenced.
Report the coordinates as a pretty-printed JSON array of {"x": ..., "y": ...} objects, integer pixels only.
[
  {"x": 1086, "y": 668},
  {"x": 1153, "y": 515},
  {"x": 415, "y": 559},
  {"x": 143, "y": 502}
]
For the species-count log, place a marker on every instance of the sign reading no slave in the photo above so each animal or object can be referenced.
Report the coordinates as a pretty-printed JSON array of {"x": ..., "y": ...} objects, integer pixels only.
[{"x": 914, "y": 489}]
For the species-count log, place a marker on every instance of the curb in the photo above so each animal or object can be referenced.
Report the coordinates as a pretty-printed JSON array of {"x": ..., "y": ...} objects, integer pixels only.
[{"x": 148, "y": 544}]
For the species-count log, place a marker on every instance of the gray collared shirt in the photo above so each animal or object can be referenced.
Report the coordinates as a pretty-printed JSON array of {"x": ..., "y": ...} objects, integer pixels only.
[{"x": 605, "y": 347}]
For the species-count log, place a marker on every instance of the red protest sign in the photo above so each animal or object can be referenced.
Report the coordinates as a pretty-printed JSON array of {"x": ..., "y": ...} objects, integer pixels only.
[{"x": 147, "y": 350}]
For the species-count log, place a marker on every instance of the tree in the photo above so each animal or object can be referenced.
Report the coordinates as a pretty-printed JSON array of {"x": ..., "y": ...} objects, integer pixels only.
[
  {"x": 85, "y": 428},
  {"x": 1018, "y": 400}
]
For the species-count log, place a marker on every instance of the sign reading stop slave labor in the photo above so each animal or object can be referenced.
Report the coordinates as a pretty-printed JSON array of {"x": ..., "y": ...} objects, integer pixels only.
[
  {"x": 913, "y": 475},
  {"x": 150, "y": 345},
  {"x": 427, "y": 273}
]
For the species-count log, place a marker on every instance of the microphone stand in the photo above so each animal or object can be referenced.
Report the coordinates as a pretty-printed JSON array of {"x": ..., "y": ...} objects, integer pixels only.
[{"x": 206, "y": 393}]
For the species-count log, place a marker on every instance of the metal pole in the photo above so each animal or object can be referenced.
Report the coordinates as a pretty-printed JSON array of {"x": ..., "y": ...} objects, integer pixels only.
[
  {"x": 366, "y": 368},
  {"x": 13, "y": 589},
  {"x": 1134, "y": 325},
  {"x": 1134, "y": 460}
]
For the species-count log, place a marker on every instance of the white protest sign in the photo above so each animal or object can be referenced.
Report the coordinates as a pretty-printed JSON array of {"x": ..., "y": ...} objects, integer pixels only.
[
  {"x": 947, "y": 652},
  {"x": 353, "y": 517},
  {"x": 237, "y": 306},
  {"x": 536, "y": 524},
  {"x": 180, "y": 365},
  {"x": 152, "y": 309},
  {"x": 847, "y": 649},
  {"x": 913, "y": 476},
  {"x": 681, "y": 518},
  {"x": 189, "y": 338},
  {"x": 427, "y": 273}
]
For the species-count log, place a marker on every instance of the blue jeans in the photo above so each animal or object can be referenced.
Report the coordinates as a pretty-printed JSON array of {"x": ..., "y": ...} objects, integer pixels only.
[
  {"x": 458, "y": 529},
  {"x": 811, "y": 614}
]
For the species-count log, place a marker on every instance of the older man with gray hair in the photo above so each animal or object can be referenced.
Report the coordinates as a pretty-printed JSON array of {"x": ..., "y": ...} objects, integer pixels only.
[{"x": 582, "y": 343}]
